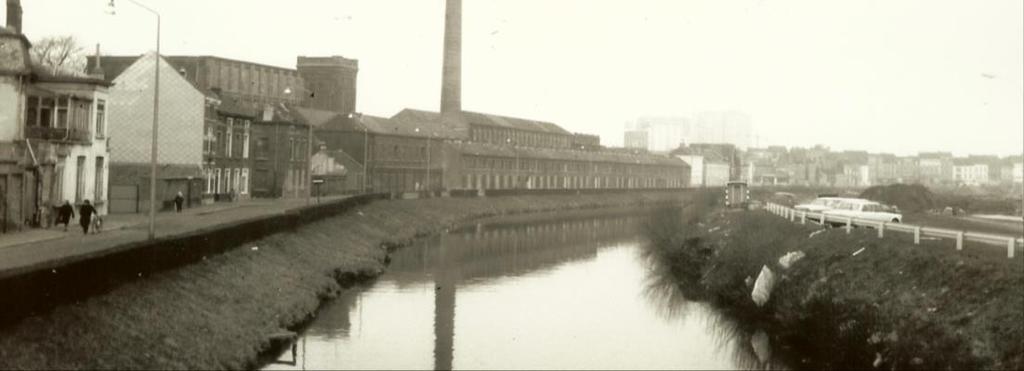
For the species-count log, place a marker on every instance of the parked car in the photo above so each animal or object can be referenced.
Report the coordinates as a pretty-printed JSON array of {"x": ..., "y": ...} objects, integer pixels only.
[
  {"x": 865, "y": 210},
  {"x": 819, "y": 204}
]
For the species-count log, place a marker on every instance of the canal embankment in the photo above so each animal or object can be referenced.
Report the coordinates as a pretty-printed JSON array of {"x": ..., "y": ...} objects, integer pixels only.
[
  {"x": 222, "y": 310},
  {"x": 849, "y": 300}
]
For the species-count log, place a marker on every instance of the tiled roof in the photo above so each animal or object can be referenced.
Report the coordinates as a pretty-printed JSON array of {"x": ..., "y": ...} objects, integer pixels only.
[
  {"x": 484, "y": 149},
  {"x": 476, "y": 118}
]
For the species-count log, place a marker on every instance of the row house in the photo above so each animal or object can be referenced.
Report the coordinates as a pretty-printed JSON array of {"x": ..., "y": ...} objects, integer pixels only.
[
  {"x": 227, "y": 149},
  {"x": 52, "y": 135},
  {"x": 967, "y": 172}
]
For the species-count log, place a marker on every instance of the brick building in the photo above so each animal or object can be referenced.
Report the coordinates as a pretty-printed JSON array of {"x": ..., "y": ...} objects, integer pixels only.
[
  {"x": 413, "y": 151},
  {"x": 227, "y": 143},
  {"x": 280, "y": 157}
]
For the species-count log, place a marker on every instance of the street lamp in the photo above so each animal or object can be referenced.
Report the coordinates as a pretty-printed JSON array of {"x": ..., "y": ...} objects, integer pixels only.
[
  {"x": 429, "y": 135},
  {"x": 515, "y": 171},
  {"x": 309, "y": 154},
  {"x": 156, "y": 119}
]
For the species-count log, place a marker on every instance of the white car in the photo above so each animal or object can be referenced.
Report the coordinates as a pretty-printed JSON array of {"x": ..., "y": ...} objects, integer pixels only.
[
  {"x": 819, "y": 204},
  {"x": 865, "y": 210}
]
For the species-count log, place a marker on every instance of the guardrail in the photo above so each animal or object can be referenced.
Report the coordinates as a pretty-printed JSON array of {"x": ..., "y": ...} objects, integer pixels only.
[{"x": 802, "y": 217}]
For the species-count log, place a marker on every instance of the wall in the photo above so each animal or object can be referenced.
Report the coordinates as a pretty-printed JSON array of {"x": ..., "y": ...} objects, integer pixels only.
[
  {"x": 11, "y": 103},
  {"x": 131, "y": 116},
  {"x": 716, "y": 174}
]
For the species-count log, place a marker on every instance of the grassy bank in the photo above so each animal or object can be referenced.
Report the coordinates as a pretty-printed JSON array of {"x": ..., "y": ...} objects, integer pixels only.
[
  {"x": 220, "y": 313},
  {"x": 893, "y": 305}
]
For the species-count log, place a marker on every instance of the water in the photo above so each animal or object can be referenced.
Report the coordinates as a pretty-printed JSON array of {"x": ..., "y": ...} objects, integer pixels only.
[{"x": 558, "y": 294}]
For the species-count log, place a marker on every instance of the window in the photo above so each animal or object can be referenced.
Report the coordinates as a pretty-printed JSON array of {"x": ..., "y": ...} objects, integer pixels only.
[
  {"x": 236, "y": 186},
  {"x": 80, "y": 179},
  {"x": 227, "y": 181},
  {"x": 209, "y": 180},
  {"x": 230, "y": 133},
  {"x": 237, "y": 145},
  {"x": 101, "y": 119},
  {"x": 245, "y": 140},
  {"x": 291, "y": 149},
  {"x": 219, "y": 142},
  {"x": 32, "y": 111},
  {"x": 216, "y": 181},
  {"x": 244, "y": 182},
  {"x": 46, "y": 113},
  {"x": 99, "y": 186},
  {"x": 62, "y": 112},
  {"x": 261, "y": 147}
]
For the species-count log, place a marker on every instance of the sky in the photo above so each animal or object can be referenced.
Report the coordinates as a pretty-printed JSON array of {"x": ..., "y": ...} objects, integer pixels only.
[{"x": 897, "y": 76}]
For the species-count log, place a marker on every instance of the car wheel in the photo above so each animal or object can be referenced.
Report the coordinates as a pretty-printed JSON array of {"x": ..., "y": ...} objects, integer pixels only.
[{"x": 895, "y": 220}]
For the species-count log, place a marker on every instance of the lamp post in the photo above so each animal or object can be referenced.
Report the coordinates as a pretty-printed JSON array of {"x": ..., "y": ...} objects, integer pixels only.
[
  {"x": 515, "y": 170},
  {"x": 309, "y": 155},
  {"x": 156, "y": 119}
]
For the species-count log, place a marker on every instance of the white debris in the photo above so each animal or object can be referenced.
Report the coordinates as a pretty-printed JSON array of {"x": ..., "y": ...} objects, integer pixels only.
[
  {"x": 254, "y": 248},
  {"x": 791, "y": 257},
  {"x": 360, "y": 212},
  {"x": 712, "y": 230},
  {"x": 763, "y": 286},
  {"x": 815, "y": 233},
  {"x": 858, "y": 251}
]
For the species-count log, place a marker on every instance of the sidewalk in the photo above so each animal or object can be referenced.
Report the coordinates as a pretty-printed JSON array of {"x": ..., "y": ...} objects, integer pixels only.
[{"x": 28, "y": 250}]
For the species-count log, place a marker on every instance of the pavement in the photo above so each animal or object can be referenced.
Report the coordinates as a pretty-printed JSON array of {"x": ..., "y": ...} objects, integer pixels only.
[{"x": 26, "y": 251}]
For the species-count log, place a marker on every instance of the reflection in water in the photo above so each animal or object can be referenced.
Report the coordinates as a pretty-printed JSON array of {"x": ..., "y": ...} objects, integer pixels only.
[{"x": 553, "y": 294}]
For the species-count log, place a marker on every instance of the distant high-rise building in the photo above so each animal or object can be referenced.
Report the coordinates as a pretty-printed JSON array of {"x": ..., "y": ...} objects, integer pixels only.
[
  {"x": 667, "y": 133},
  {"x": 730, "y": 127},
  {"x": 636, "y": 139}
]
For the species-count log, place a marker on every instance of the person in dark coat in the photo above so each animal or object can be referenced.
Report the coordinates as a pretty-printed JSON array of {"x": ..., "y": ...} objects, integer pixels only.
[
  {"x": 178, "y": 200},
  {"x": 85, "y": 214},
  {"x": 64, "y": 214}
]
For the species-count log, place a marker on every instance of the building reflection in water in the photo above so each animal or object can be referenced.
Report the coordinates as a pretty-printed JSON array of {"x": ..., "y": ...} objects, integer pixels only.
[{"x": 504, "y": 257}]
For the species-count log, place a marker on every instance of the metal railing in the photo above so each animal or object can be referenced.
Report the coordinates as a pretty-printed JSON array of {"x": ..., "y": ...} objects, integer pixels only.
[{"x": 848, "y": 223}]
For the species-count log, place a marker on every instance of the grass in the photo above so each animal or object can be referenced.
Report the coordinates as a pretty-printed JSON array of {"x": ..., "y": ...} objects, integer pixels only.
[
  {"x": 912, "y": 306},
  {"x": 219, "y": 313}
]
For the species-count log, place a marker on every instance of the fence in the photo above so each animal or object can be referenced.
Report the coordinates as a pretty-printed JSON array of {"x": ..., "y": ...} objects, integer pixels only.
[{"x": 918, "y": 231}]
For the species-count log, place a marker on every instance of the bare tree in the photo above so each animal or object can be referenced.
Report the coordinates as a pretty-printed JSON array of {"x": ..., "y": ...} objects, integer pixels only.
[{"x": 61, "y": 55}]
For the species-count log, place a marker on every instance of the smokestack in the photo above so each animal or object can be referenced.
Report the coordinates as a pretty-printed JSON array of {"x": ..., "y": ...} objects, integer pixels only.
[
  {"x": 451, "y": 81},
  {"x": 14, "y": 15}
]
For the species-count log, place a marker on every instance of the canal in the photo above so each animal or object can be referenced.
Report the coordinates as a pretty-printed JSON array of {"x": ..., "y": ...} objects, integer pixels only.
[{"x": 568, "y": 293}]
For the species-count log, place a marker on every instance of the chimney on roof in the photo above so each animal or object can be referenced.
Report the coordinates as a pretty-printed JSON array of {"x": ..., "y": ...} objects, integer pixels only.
[
  {"x": 97, "y": 69},
  {"x": 451, "y": 81},
  {"x": 14, "y": 15}
]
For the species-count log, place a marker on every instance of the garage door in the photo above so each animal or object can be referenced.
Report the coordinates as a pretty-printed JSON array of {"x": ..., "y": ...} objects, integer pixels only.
[{"x": 124, "y": 199}]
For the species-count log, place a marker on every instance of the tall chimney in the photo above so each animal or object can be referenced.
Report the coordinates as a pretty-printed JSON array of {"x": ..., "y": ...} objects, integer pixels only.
[
  {"x": 14, "y": 15},
  {"x": 451, "y": 81}
]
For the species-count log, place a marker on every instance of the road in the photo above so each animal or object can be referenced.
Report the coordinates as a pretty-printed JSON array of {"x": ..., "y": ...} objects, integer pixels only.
[{"x": 46, "y": 249}]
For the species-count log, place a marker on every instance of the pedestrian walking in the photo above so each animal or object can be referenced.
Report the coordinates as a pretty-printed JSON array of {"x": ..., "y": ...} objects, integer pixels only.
[
  {"x": 64, "y": 214},
  {"x": 178, "y": 200},
  {"x": 85, "y": 214}
]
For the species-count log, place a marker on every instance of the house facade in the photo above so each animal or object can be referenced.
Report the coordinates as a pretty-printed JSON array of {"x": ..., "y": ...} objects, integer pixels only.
[
  {"x": 227, "y": 141},
  {"x": 52, "y": 137}
]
